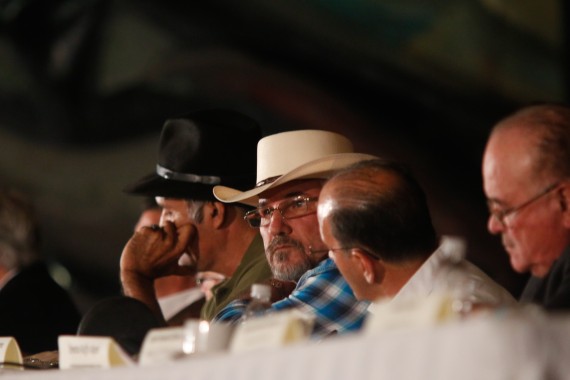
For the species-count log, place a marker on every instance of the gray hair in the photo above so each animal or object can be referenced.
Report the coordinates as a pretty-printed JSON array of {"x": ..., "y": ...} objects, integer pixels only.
[
  {"x": 196, "y": 209},
  {"x": 19, "y": 232}
]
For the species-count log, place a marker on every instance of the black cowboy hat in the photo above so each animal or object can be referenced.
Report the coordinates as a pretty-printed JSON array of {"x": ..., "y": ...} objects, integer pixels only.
[{"x": 200, "y": 150}]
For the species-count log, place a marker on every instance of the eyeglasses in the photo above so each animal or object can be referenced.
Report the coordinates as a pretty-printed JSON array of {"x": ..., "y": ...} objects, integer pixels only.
[
  {"x": 374, "y": 255},
  {"x": 500, "y": 215},
  {"x": 289, "y": 209}
]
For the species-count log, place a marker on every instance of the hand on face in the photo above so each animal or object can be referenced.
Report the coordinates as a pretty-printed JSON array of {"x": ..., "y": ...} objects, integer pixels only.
[{"x": 155, "y": 252}]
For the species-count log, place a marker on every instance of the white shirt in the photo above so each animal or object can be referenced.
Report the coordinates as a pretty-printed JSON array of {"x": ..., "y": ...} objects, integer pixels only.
[
  {"x": 462, "y": 280},
  {"x": 173, "y": 303}
]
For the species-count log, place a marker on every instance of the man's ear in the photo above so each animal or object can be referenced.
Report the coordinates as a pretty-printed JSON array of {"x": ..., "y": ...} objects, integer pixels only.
[
  {"x": 218, "y": 214},
  {"x": 367, "y": 266}
]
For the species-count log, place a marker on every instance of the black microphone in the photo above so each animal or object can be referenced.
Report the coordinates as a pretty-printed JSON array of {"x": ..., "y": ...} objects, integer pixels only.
[
  {"x": 125, "y": 319},
  {"x": 315, "y": 251}
]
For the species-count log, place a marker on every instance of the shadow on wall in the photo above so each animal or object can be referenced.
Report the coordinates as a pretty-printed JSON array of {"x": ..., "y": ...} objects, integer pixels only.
[
  {"x": 86, "y": 91},
  {"x": 85, "y": 217}
]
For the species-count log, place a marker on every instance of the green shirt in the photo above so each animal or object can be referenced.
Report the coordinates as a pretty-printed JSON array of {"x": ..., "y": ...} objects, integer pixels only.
[{"x": 252, "y": 269}]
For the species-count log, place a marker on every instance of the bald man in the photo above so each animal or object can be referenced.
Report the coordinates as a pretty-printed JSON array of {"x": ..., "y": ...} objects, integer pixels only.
[
  {"x": 375, "y": 221},
  {"x": 526, "y": 177}
]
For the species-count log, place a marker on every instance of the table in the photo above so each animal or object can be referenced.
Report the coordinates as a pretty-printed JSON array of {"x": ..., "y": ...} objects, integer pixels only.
[{"x": 510, "y": 346}]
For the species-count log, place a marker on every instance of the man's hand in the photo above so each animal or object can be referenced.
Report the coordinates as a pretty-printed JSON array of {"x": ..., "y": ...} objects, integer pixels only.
[{"x": 155, "y": 252}]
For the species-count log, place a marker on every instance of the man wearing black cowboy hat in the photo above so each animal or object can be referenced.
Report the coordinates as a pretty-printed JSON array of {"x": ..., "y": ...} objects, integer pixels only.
[{"x": 197, "y": 232}]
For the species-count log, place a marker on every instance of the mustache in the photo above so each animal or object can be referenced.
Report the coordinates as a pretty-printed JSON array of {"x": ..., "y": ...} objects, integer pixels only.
[{"x": 283, "y": 240}]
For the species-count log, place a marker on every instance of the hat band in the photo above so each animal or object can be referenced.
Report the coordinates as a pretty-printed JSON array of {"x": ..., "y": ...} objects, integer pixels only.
[
  {"x": 267, "y": 180},
  {"x": 186, "y": 177}
]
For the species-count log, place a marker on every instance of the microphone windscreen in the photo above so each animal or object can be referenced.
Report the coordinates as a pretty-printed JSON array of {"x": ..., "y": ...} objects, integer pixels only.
[{"x": 125, "y": 319}]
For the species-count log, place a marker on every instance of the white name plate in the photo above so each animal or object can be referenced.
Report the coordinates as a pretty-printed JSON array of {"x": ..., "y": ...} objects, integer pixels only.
[
  {"x": 10, "y": 353},
  {"x": 412, "y": 312},
  {"x": 162, "y": 345},
  {"x": 91, "y": 352},
  {"x": 271, "y": 330}
]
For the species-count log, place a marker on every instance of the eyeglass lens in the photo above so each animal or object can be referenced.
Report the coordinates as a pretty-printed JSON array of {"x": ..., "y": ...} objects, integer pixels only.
[{"x": 289, "y": 209}]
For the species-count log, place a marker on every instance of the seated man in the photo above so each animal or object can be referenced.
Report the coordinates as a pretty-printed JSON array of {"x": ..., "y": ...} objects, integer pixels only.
[
  {"x": 375, "y": 221},
  {"x": 34, "y": 309},
  {"x": 174, "y": 293},
  {"x": 197, "y": 232},
  {"x": 291, "y": 169},
  {"x": 526, "y": 177}
]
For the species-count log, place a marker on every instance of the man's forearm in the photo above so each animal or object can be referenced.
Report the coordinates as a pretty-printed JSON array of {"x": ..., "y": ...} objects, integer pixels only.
[{"x": 141, "y": 288}]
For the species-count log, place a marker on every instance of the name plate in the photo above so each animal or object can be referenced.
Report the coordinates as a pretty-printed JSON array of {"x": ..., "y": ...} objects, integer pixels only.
[
  {"x": 411, "y": 312},
  {"x": 91, "y": 352},
  {"x": 271, "y": 330},
  {"x": 162, "y": 345},
  {"x": 10, "y": 353}
]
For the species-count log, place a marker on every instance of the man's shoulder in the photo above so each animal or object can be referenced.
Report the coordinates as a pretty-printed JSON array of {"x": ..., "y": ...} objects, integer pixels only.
[
  {"x": 553, "y": 290},
  {"x": 324, "y": 275},
  {"x": 252, "y": 269},
  {"x": 254, "y": 265},
  {"x": 35, "y": 276},
  {"x": 325, "y": 267}
]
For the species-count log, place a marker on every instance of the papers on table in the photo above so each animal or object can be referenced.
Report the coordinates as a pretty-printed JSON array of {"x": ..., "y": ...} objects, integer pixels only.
[
  {"x": 91, "y": 352},
  {"x": 10, "y": 354},
  {"x": 272, "y": 330},
  {"x": 163, "y": 345}
]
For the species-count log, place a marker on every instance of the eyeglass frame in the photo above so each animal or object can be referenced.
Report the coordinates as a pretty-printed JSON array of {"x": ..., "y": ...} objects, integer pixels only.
[
  {"x": 248, "y": 215},
  {"x": 500, "y": 215},
  {"x": 366, "y": 251}
]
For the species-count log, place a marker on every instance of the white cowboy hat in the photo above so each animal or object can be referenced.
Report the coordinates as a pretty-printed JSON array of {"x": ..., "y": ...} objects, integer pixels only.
[{"x": 286, "y": 156}]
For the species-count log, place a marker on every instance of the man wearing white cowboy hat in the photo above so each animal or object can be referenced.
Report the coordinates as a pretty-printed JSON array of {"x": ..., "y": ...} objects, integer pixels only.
[
  {"x": 291, "y": 170},
  {"x": 196, "y": 232}
]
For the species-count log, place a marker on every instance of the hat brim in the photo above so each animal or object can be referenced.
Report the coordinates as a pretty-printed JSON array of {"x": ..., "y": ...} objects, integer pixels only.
[
  {"x": 323, "y": 168},
  {"x": 153, "y": 185}
]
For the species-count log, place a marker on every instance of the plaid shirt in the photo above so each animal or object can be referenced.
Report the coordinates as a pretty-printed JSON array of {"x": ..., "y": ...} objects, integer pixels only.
[{"x": 321, "y": 292}]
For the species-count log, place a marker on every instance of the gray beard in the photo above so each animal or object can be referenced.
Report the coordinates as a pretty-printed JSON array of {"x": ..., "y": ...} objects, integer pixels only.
[
  {"x": 285, "y": 272},
  {"x": 278, "y": 261}
]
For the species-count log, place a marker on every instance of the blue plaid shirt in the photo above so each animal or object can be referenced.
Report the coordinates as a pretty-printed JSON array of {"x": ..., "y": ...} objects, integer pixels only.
[{"x": 321, "y": 292}]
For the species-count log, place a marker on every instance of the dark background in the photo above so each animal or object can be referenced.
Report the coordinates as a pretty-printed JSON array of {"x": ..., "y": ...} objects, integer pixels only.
[{"x": 85, "y": 86}]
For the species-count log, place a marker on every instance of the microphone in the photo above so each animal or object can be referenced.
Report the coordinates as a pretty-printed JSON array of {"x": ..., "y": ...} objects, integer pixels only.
[
  {"x": 317, "y": 251},
  {"x": 125, "y": 319}
]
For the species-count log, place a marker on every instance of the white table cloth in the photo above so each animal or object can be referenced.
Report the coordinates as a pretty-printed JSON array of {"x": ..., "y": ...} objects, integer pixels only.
[{"x": 499, "y": 346}]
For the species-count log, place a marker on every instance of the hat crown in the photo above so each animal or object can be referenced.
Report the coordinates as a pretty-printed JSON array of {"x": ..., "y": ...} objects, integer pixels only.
[
  {"x": 200, "y": 143},
  {"x": 199, "y": 150},
  {"x": 282, "y": 152},
  {"x": 294, "y": 155}
]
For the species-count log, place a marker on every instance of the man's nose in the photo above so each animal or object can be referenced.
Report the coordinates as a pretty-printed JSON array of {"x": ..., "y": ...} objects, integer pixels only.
[
  {"x": 167, "y": 216},
  {"x": 278, "y": 224},
  {"x": 494, "y": 225}
]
